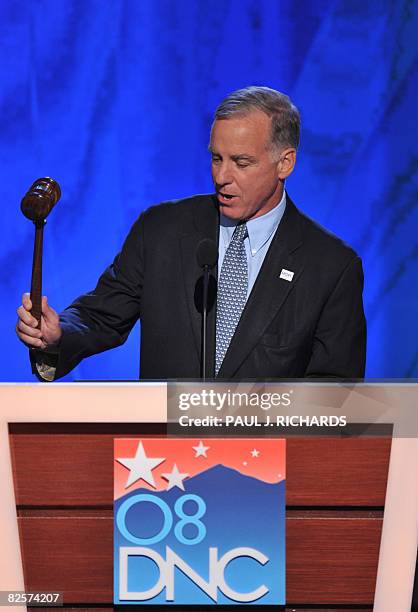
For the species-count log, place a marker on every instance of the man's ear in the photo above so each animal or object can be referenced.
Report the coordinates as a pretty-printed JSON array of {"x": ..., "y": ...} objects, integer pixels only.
[{"x": 286, "y": 163}]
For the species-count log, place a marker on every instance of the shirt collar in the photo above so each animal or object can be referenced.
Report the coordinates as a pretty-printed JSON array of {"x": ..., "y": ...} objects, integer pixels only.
[{"x": 259, "y": 229}]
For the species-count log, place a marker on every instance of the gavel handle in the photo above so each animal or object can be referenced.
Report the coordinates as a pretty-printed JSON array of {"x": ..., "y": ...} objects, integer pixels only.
[{"x": 36, "y": 283}]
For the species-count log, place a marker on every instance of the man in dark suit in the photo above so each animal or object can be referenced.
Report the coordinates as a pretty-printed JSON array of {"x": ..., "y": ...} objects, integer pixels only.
[{"x": 289, "y": 294}]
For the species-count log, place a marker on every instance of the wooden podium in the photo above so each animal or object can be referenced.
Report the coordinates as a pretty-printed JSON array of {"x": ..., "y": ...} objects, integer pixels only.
[{"x": 60, "y": 442}]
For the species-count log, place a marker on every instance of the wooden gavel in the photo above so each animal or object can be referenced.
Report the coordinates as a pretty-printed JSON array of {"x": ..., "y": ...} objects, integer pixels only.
[{"x": 36, "y": 206}]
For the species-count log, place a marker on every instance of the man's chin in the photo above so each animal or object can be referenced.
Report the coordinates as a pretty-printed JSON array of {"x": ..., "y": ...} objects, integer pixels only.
[{"x": 231, "y": 212}]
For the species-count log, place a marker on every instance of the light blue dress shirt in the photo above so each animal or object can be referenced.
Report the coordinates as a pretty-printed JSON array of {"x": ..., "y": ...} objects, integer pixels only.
[{"x": 260, "y": 234}]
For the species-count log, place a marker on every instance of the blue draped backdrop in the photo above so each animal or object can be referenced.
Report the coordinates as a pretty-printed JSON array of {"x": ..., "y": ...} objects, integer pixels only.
[{"x": 114, "y": 99}]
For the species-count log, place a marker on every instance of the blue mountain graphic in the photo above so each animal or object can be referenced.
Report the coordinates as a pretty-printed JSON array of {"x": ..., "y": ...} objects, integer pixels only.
[{"x": 239, "y": 511}]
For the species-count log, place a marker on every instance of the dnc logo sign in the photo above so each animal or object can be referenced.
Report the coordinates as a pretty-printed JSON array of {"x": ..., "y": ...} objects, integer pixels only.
[{"x": 199, "y": 522}]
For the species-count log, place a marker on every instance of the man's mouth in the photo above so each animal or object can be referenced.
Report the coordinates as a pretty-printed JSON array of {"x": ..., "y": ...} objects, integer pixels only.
[{"x": 225, "y": 197}]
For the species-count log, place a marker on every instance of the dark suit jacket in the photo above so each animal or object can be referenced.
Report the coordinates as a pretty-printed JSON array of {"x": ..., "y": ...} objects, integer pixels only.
[{"x": 311, "y": 326}]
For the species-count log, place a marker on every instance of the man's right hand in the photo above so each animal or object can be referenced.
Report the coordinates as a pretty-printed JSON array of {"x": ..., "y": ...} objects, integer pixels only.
[{"x": 26, "y": 328}]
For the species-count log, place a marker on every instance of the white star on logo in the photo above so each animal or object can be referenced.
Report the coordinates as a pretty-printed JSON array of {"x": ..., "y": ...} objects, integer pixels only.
[
  {"x": 255, "y": 453},
  {"x": 175, "y": 479},
  {"x": 140, "y": 466},
  {"x": 201, "y": 449}
]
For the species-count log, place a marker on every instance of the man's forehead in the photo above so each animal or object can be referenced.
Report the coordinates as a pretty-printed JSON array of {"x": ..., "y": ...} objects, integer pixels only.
[{"x": 245, "y": 133}]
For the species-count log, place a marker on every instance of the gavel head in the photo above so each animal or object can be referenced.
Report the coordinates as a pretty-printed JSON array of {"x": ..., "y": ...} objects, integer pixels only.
[{"x": 40, "y": 199}]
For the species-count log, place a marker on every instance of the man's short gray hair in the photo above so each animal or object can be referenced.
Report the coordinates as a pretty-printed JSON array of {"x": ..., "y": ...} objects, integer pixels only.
[{"x": 285, "y": 118}]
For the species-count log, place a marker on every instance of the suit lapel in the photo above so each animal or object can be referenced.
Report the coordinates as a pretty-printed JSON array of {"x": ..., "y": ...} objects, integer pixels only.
[
  {"x": 205, "y": 225},
  {"x": 269, "y": 291}
]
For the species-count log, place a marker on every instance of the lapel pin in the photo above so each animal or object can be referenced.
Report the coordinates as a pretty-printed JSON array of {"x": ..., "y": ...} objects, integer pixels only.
[{"x": 287, "y": 275}]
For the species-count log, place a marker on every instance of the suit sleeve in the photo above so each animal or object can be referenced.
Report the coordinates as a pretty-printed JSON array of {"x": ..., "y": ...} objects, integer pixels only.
[
  {"x": 339, "y": 348},
  {"x": 102, "y": 318}
]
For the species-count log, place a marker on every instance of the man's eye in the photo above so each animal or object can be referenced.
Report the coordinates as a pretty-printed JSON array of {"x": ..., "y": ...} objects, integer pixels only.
[
  {"x": 243, "y": 164},
  {"x": 215, "y": 160}
]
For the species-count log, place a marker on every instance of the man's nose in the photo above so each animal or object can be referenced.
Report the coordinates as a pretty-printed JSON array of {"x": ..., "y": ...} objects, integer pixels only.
[{"x": 222, "y": 174}]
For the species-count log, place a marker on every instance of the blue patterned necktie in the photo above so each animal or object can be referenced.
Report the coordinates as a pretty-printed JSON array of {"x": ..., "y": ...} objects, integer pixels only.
[{"x": 232, "y": 292}]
